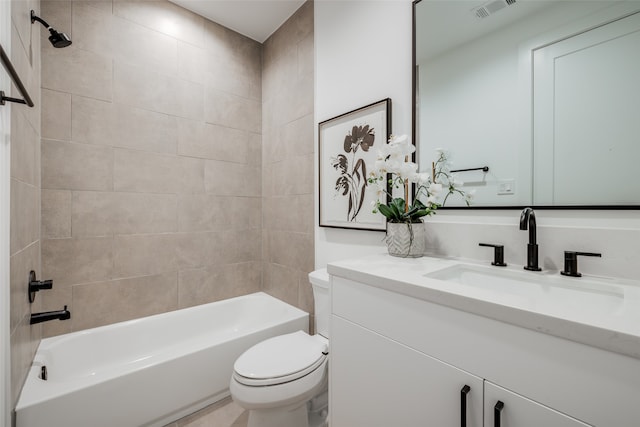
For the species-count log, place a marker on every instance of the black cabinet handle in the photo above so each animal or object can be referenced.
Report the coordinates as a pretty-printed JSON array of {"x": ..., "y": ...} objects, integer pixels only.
[
  {"x": 496, "y": 413},
  {"x": 463, "y": 405}
]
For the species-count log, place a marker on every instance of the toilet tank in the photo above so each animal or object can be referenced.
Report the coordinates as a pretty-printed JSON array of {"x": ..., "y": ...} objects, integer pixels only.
[{"x": 320, "y": 283}]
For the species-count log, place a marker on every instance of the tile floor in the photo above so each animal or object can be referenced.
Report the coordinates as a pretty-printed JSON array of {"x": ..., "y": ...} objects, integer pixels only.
[{"x": 225, "y": 413}]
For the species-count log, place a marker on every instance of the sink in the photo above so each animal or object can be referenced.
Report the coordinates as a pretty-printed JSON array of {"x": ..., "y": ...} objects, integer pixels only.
[{"x": 546, "y": 291}]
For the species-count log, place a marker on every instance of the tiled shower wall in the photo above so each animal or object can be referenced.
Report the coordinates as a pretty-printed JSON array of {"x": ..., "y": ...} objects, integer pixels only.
[
  {"x": 151, "y": 162},
  {"x": 287, "y": 159},
  {"x": 25, "y": 189}
]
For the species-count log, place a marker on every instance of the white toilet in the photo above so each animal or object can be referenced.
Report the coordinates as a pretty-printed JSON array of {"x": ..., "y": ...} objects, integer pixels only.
[{"x": 283, "y": 381}]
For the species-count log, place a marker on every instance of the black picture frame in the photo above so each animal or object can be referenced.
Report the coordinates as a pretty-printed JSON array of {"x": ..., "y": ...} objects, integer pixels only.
[{"x": 346, "y": 153}]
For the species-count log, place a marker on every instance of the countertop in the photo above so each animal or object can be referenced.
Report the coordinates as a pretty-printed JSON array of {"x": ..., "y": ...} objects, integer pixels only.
[{"x": 614, "y": 327}]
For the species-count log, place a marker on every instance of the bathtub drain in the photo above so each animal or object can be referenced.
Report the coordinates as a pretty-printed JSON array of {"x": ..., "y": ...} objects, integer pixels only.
[{"x": 43, "y": 373}]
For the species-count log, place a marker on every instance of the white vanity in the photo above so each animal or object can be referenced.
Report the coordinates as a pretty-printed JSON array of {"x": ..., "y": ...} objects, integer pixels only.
[{"x": 436, "y": 342}]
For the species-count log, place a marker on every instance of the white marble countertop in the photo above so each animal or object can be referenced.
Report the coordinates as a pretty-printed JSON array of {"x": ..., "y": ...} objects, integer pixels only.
[{"x": 613, "y": 325}]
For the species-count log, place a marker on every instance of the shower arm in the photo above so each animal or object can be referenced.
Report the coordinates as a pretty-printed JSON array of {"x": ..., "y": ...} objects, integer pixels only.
[{"x": 35, "y": 18}]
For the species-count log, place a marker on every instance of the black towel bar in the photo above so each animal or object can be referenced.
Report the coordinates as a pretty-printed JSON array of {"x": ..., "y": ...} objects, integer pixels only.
[
  {"x": 483, "y": 169},
  {"x": 16, "y": 80}
]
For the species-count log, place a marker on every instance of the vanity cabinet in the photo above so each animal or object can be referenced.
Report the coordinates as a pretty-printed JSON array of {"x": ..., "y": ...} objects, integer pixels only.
[
  {"x": 398, "y": 360},
  {"x": 379, "y": 382},
  {"x": 508, "y": 409}
]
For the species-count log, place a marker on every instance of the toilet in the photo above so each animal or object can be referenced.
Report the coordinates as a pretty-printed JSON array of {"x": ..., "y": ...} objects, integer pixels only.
[{"x": 283, "y": 381}]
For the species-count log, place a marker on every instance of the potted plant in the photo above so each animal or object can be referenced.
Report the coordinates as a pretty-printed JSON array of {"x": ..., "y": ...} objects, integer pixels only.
[{"x": 405, "y": 230}]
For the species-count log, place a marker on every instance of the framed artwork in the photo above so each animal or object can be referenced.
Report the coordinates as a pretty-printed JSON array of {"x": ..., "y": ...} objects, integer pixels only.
[{"x": 348, "y": 151}]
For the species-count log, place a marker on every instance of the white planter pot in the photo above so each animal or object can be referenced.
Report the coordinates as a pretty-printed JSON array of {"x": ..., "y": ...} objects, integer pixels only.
[{"x": 406, "y": 240}]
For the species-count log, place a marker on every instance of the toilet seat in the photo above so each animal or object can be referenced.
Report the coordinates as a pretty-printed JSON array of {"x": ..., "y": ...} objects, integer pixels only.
[{"x": 280, "y": 360}]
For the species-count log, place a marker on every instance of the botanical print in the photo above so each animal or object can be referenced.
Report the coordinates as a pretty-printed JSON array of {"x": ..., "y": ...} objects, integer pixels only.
[
  {"x": 353, "y": 177},
  {"x": 347, "y": 153}
]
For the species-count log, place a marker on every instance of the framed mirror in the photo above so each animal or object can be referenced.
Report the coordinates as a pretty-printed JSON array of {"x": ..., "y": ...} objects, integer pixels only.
[{"x": 537, "y": 102}]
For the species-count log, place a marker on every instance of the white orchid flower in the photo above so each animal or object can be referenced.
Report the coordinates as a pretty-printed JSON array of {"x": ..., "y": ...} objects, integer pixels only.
[
  {"x": 434, "y": 189},
  {"x": 408, "y": 170},
  {"x": 424, "y": 178}
]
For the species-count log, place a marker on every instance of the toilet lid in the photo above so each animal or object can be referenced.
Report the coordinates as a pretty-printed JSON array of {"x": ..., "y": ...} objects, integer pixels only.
[{"x": 286, "y": 356}]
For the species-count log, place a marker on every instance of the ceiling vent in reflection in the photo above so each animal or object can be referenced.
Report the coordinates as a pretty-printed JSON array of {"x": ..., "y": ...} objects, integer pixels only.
[{"x": 491, "y": 7}]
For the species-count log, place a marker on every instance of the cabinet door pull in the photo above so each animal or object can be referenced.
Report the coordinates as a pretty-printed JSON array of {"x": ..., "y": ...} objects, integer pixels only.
[
  {"x": 463, "y": 405},
  {"x": 496, "y": 413}
]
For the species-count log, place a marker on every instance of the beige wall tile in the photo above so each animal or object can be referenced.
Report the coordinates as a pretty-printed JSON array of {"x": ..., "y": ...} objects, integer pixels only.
[
  {"x": 254, "y": 155},
  {"x": 102, "y": 213},
  {"x": 56, "y": 299},
  {"x": 72, "y": 166},
  {"x": 93, "y": 28},
  {"x": 199, "y": 249},
  {"x": 293, "y": 250},
  {"x": 246, "y": 245},
  {"x": 295, "y": 29},
  {"x": 299, "y": 134},
  {"x": 21, "y": 264},
  {"x": 232, "y": 179},
  {"x": 27, "y": 66},
  {"x": 25, "y": 215},
  {"x": 24, "y": 341},
  {"x": 281, "y": 282},
  {"x": 106, "y": 123},
  {"x": 58, "y": 11},
  {"x": 306, "y": 61},
  {"x": 230, "y": 77},
  {"x": 184, "y": 25},
  {"x": 154, "y": 91},
  {"x": 207, "y": 141},
  {"x": 291, "y": 140},
  {"x": 144, "y": 213},
  {"x": 139, "y": 171},
  {"x": 206, "y": 212},
  {"x": 103, "y": 303},
  {"x": 290, "y": 177},
  {"x": 215, "y": 283},
  {"x": 152, "y": 50},
  {"x": 305, "y": 293},
  {"x": 226, "y": 109},
  {"x": 56, "y": 115},
  {"x": 146, "y": 254},
  {"x": 191, "y": 62},
  {"x": 71, "y": 261},
  {"x": 289, "y": 213},
  {"x": 25, "y": 149},
  {"x": 279, "y": 72},
  {"x": 56, "y": 214},
  {"x": 77, "y": 71}
]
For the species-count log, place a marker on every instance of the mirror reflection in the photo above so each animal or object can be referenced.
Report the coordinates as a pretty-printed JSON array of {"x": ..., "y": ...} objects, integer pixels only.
[{"x": 544, "y": 93}]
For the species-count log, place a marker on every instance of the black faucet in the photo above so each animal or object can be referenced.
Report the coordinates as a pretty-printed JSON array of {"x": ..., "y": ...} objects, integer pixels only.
[
  {"x": 50, "y": 315},
  {"x": 528, "y": 221}
]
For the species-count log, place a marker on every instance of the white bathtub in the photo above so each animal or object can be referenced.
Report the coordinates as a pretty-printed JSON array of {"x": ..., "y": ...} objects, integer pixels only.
[{"x": 149, "y": 371}]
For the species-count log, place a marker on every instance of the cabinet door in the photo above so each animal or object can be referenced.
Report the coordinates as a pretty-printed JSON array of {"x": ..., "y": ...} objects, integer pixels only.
[
  {"x": 518, "y": 411},
  {"x": 375, "y": 381}
]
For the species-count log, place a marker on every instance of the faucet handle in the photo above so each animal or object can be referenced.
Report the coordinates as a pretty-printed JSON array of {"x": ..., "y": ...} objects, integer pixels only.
[
  {"x": 571, "y": 262},
  {"x": 498, "y": 254}
]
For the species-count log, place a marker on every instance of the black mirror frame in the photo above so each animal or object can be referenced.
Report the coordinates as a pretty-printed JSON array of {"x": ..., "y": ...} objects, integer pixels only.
[{"x": 414, "y": 139}]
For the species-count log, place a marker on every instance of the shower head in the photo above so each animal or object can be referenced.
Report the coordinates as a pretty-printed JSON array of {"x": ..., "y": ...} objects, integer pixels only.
[{"x": 57, "y": 39}]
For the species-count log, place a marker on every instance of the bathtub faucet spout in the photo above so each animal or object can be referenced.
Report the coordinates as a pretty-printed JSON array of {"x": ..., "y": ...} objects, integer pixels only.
[{"x": 50, "y": 315}]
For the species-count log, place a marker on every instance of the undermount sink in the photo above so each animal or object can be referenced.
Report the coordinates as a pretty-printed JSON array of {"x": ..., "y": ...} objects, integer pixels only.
[{"x": 552, "y": 291}]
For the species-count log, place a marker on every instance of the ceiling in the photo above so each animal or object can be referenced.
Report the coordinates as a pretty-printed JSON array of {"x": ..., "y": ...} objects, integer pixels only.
[{"x": 256, "y": 19}]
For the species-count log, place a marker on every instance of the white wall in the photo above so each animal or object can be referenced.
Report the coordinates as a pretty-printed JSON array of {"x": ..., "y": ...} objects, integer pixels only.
[
  {"x": 363, "y": 54},
  {"x": 5, "y": 180}
]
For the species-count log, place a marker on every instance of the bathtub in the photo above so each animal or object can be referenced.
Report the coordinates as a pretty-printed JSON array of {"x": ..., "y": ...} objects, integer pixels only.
[{"x": 149, "y": 371}]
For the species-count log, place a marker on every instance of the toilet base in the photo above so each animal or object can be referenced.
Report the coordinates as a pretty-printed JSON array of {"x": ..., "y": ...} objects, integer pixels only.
[
  {"x": 297, "y": 417},
  {"x": 313, "y": 413}
]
